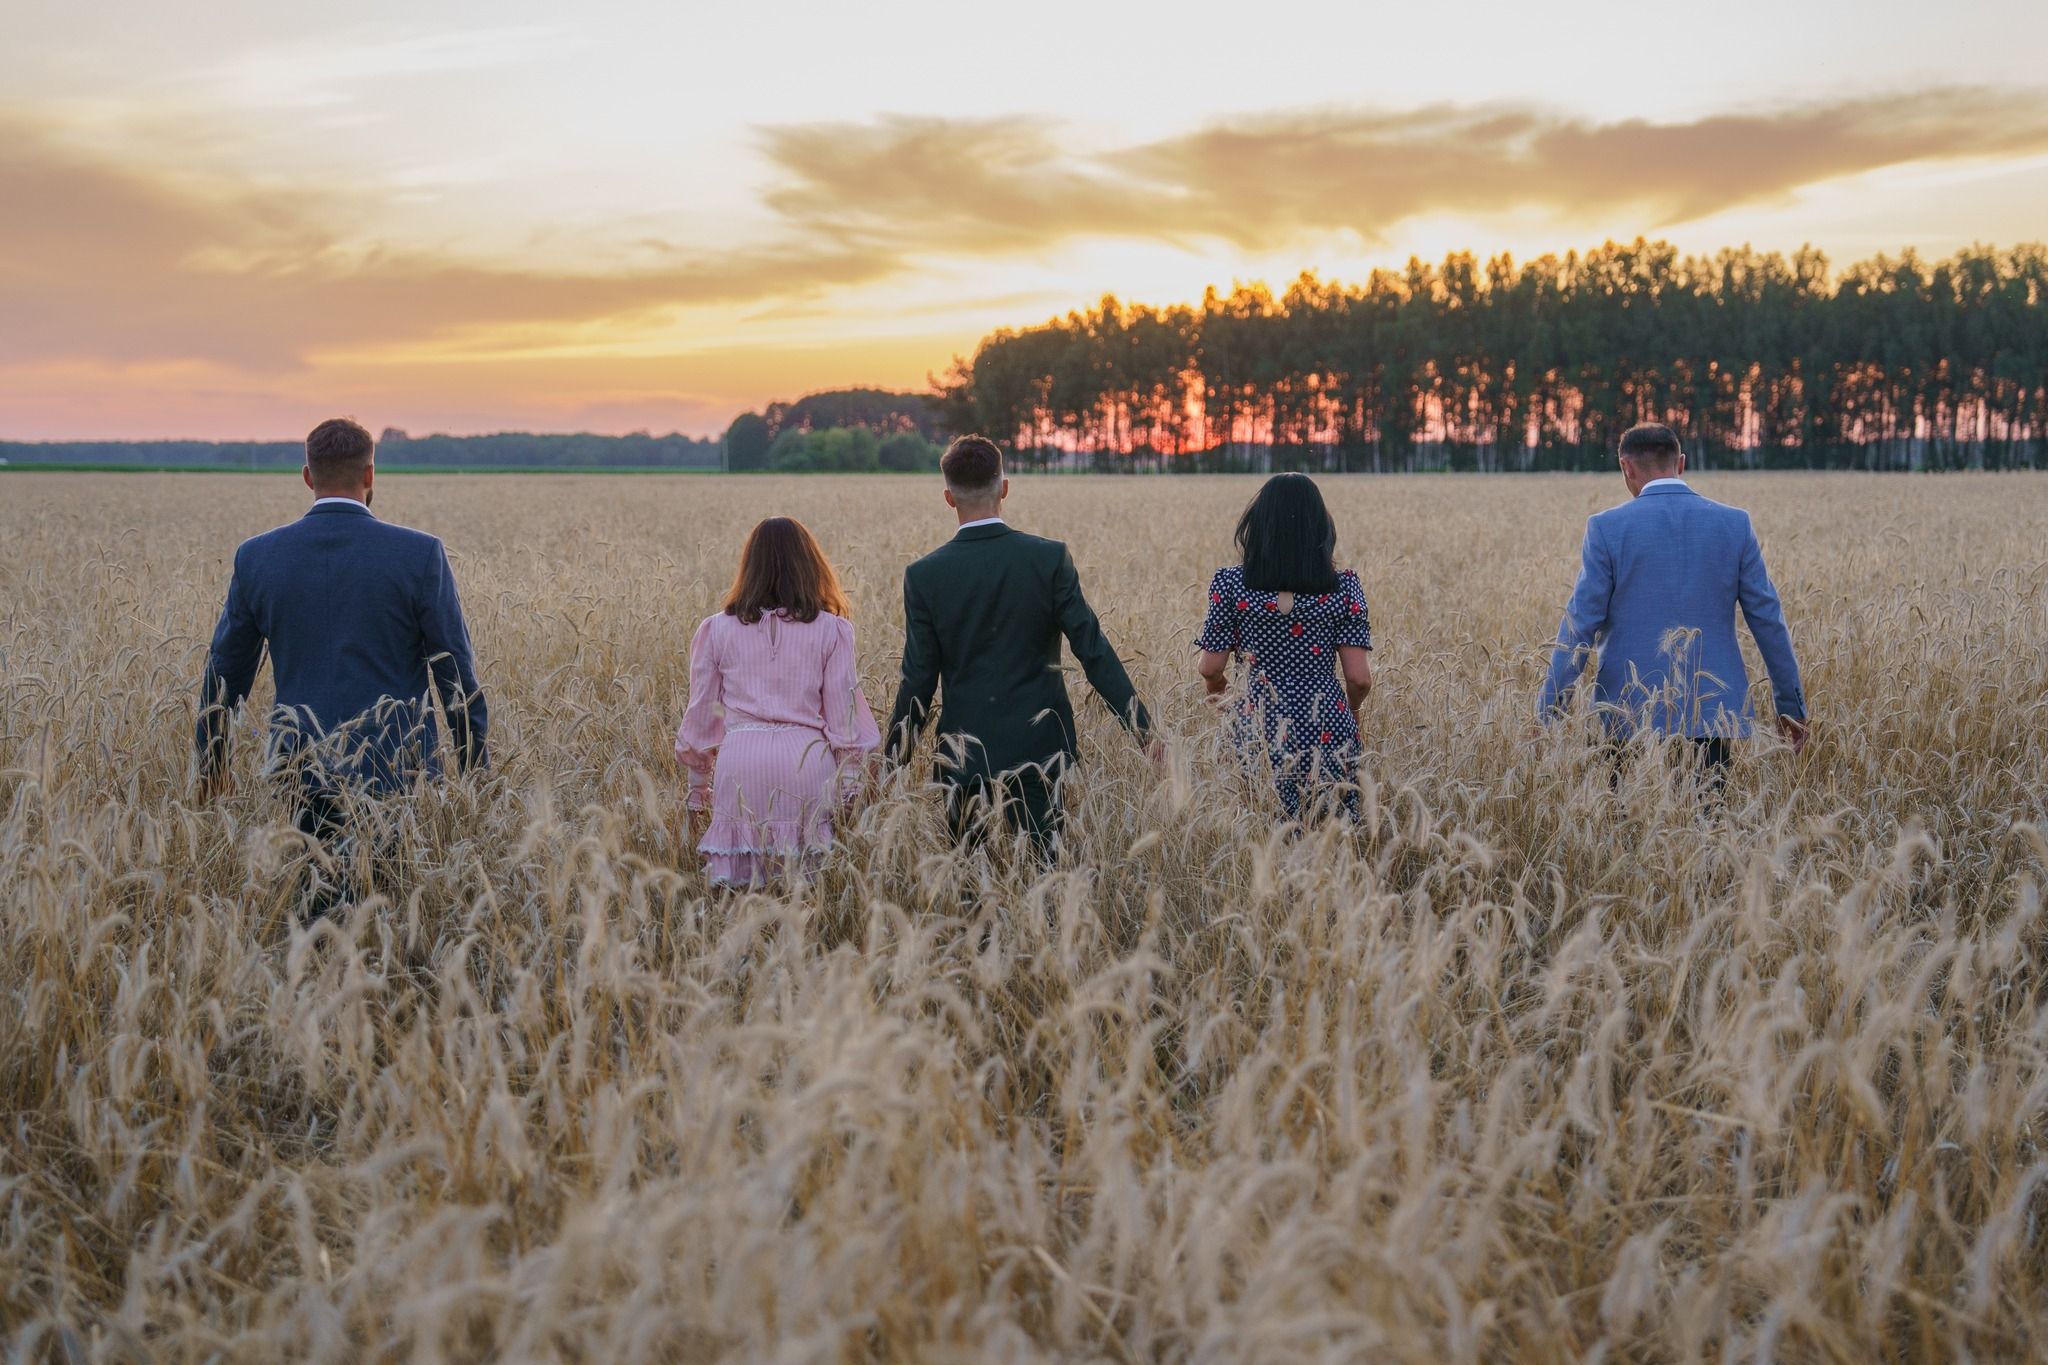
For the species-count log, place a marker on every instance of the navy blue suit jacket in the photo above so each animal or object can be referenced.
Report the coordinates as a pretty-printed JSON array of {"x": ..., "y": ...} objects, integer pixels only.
[
  {"x": 1661, "y": 579},
  {"x": 362, "y": 621}
]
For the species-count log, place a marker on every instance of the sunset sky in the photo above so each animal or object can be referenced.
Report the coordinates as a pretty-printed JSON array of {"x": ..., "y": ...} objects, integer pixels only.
[{"x": 230, "y": 219}]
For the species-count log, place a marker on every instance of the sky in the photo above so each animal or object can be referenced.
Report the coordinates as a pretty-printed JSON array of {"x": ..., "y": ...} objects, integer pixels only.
[{"x": 232, "y": 218}]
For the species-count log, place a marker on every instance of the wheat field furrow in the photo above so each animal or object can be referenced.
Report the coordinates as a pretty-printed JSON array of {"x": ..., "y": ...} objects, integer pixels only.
[{"x": 1532, "y": 1064}]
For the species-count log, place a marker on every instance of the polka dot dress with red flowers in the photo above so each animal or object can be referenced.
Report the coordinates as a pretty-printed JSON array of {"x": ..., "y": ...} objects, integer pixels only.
[{"x": 1292, "y": 707}]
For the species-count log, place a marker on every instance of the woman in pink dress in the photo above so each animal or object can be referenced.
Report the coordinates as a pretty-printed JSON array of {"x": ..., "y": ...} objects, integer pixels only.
[{"x": 778, "y": 730}]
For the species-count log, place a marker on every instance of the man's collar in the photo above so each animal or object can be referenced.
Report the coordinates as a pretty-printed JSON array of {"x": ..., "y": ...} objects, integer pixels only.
[
  {"x": 983, "y": 528},
  {"x": 337, "y": 504},
  {"x": 1670, "y": 483}
]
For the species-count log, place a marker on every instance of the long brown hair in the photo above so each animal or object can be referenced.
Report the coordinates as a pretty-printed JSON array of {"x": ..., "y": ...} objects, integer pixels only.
[{"x": 783, "y": 568}]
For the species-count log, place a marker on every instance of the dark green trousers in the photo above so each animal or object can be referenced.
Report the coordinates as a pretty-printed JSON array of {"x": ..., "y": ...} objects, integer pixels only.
[{"x": 1030, "y": 802}]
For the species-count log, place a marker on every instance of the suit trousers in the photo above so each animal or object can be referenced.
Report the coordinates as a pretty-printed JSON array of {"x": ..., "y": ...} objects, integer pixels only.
[
  {"x": 1714, "y": 756},
  {"x": 1030, "y": 801},
  {"x": 322, "y": 816}
]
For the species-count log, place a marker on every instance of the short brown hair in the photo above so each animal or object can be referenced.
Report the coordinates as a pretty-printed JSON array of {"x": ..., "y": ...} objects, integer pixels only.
[
  {"x": 1652, "y": 442},
  {"x": 973, "y": 466},
  {"x": 338, "y": 450},
  {"x": 783, "y": 568}
]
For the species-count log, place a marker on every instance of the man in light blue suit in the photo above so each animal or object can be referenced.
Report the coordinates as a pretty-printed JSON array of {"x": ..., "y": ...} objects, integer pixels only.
[
  {"x": 1660, "y": 581},
  {"x": 363, "y": 626}
]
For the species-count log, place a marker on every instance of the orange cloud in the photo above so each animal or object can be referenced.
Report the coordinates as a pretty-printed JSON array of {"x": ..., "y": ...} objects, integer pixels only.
[
  {"x": 1009, "y": 184},
  {"x": 118, "y": 263}
]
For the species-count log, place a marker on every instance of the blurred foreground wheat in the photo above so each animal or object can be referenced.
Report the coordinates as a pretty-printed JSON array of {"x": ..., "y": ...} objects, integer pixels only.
[{"x": 1524, "y": 1068}]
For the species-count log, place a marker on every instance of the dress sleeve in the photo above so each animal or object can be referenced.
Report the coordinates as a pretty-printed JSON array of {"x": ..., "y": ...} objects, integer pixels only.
[
  {"x": 1354, "y": 622},
  {"x": 703, "y": 727},
  {"x": 850, "y": 727},
  {"x": 1219, "y": 627}
]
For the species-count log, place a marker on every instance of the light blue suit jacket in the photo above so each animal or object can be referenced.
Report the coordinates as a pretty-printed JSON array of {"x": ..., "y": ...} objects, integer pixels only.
[{"x": 1660, "y": 580}]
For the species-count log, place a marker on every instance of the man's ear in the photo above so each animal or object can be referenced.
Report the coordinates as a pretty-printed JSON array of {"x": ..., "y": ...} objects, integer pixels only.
[
  {"x": 306, "y": 473},
  {"x": 1005, "y": 491},
  {"x": 1681, "y": 464},
  {"x": 949, "y": 499}
]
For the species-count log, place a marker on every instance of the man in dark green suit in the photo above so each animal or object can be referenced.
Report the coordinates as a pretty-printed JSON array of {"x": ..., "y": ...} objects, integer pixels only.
[{"x": 983, "y": 615}]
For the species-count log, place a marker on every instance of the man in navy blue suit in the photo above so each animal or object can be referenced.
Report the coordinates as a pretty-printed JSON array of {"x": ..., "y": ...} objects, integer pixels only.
[
  {"x": 1661, "y": 578},
  {"x": 364, "y": 627}
]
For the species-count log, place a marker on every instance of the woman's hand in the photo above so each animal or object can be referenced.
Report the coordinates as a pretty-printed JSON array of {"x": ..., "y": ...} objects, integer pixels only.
[
  {"x": 1214, "y": 668},
  {"x": 1357, "y": 665},
  {"x": 696, "y": 820}
]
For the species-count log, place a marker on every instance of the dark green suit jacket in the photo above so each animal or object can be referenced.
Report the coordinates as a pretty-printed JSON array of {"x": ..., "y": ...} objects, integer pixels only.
[{"x": 982, "y": 617}]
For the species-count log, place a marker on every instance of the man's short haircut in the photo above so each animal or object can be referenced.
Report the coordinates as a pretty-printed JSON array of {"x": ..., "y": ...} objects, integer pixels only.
[
  {"x": 973, "y": 466},
  {"x": 337, "y": 451},
  {"x": 1651, "y": 442}
]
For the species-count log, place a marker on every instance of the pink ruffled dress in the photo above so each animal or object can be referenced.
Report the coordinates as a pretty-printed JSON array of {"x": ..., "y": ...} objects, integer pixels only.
[{"x": 773, "y": 740}]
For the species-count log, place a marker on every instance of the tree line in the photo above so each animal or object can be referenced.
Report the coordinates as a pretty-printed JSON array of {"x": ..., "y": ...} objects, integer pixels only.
[
  {"x": 1759, "y": 360},
  {"x": 395, "y": 450},
  {"x": 839, "y": 430}
]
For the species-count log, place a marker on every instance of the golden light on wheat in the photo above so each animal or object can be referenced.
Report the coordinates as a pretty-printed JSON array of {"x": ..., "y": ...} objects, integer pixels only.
[{"x": 1527, "y": 1066}]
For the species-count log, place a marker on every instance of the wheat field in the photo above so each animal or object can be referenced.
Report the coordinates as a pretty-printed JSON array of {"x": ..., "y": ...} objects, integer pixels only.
[{"x": 1528, "y": 1066}]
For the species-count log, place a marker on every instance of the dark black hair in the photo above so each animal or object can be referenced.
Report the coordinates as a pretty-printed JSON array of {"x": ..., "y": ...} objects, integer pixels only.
[{"x": 1287, "y": 539}]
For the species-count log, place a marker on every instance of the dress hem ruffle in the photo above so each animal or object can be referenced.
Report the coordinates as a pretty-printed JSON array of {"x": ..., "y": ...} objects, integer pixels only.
[{"x": 777, "y": 838}]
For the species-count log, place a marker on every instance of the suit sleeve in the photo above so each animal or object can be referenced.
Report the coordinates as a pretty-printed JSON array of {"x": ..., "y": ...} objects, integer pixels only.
[
  {"x": 1093, "y": 651},
  {"x": 453, "y": 664},
  {"x": 231, "y": 664},
  {"x": 1766, "y": 617},
  {"x": 1585, "y": 621},
  {"x": 920, "y": 679}
]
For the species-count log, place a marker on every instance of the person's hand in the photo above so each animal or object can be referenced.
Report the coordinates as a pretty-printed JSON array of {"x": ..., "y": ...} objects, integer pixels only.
[
  {"x": 212, "y": 786},
  {"x": 696, "y": 820},
  {"x": 1155, "y": 753},
  {"x": 1796, "y": 732}
]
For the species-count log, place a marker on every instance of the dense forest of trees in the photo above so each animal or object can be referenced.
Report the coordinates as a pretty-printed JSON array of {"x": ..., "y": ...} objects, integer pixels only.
[
  {"x": 1759, "y": 360},
  {"x": 896, "y": 430},
  {"x": 881, "y": 411},
  {"x": 847, "y": 450}
]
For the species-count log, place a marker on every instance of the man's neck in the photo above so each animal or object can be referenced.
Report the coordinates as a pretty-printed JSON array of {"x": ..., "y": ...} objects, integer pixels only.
[
  {"x": 356, "y": 498},
  {"x": 970, "y": 517}
]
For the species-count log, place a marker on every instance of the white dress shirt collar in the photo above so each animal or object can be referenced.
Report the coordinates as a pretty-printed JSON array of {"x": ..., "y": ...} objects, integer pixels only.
[
  {"x": 1669, "y": 480},
  {"x": 353, "y": 502},
  {"x": 981, "y": 521}
]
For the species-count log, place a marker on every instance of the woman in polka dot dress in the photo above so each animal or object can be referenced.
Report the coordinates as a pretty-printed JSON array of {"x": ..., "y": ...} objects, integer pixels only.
[{"x": 1296, "y": 624}]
